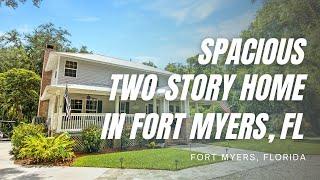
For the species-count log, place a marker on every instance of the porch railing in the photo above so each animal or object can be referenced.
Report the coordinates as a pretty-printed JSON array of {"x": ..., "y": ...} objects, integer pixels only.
[{"x": 80, "y": 121}]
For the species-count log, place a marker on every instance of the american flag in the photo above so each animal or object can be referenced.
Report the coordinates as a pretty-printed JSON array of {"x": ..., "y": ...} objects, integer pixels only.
[
  {"x": 68, "y": 103},
  {"x": 224, "y": 105}
]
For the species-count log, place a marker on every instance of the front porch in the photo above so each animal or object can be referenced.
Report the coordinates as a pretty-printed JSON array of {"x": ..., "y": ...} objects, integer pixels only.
[{"x": 88, "y": 108}]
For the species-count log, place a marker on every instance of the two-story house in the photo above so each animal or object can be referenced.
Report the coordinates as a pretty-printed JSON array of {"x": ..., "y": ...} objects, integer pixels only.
[{"x": 88, "y": 78}]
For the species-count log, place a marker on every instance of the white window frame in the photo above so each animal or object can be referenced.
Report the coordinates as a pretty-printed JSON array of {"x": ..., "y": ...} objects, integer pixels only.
[
  {"x": 94, "y": 100},
  {"x": 73, "y": 101},
  {"x": 71, "y": 68}
]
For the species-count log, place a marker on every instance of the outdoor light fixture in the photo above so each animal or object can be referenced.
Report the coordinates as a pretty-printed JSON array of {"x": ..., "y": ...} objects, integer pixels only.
[
  {"x": 176, "y": 161},
  {"x": 88, "y": 97},
  {"x": 121, "y": 161}
]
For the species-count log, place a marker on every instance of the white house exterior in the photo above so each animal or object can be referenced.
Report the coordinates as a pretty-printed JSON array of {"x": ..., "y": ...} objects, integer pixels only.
[{"x": 88, "y": 77}]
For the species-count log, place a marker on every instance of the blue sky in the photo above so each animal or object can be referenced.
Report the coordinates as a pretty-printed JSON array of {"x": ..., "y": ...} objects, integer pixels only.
[{"x": 159, "y": 30}]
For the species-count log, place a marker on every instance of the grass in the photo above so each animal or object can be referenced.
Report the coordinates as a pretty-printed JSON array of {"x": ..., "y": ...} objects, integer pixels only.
[
  {"x": 277, "y": 146},
  {"x": 163, "y": 159}
]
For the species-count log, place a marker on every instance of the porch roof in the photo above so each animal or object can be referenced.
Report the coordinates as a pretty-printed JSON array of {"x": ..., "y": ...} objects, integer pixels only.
[{"x": 52, "y": 90}]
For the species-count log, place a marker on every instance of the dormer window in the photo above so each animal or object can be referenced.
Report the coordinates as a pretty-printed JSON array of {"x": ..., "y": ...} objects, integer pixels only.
[{"x": 70, "y": 69}]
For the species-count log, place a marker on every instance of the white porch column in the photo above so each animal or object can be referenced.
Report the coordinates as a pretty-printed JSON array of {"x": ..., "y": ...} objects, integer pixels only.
[
  {"x": 154, "y": 105},
  {"x": 182, "y": 106},
  {"x": 116, "y": 104},
  {"x": 186, "y": 107},
  {"x": 60, "y": 111},
  {"x": 165, "y": 105}
]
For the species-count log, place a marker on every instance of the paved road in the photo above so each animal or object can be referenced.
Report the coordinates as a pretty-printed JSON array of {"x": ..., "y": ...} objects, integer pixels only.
[{"x": 225, "y": 170}]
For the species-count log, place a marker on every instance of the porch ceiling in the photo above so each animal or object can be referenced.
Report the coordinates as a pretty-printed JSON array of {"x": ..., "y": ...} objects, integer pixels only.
[{"x": 53, "y": 90}]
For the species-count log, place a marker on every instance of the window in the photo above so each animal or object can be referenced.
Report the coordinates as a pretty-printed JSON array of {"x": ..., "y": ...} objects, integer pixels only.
[
  {"x": 93, "y": 105},
  {"x": 177, "y": 109},
  {"x": 149, "y": 108},
  {"x": 76, "y": 106},
  {"x": 171, "y": 108},
  {"x": 124, "y": 107},
  {"x": 70, "y": 69}
]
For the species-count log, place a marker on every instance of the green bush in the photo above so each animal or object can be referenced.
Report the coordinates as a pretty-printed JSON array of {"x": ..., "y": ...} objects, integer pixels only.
[
  {"x": 152, "y": 145},
  {"x": 21, "y": 132},
  {"x": 125, "y": 139},
  {"x": 39, "y": 148},
  {"x": 91, "y": 139},
  {"x": 140, "y": 140}
]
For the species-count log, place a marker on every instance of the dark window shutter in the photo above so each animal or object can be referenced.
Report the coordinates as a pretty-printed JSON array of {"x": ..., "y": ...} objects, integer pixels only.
[
  {"x": 150, "y": 108},
  {"x": 99, "y": 106},
  {"x": 127, "y": 107}
]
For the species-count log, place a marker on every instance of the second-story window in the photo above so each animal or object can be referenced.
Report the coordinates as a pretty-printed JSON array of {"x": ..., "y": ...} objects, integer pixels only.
[{"x": 70, "y": 69}]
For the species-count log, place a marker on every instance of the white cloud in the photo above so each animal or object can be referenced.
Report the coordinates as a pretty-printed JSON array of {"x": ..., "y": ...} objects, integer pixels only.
[
  {"x": 228, "y": 28},
  {"x": 87, "y": 19},
  {"x": 188, "y": 11}
]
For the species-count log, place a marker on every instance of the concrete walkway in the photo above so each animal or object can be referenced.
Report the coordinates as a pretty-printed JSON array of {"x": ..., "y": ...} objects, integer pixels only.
[{"x": 225, "y": 170}]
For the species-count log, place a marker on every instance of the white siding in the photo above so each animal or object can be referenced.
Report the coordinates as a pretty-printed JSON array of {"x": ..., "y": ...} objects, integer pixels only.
[
  {"x": 96, "y": 74},
  {"x": 53, "y": 77}
]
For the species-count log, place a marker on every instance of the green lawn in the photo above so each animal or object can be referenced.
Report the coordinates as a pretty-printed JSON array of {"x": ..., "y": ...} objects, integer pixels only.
[
  {"x": 144, "y": 159},
  {"x": 277, "y": 146}
]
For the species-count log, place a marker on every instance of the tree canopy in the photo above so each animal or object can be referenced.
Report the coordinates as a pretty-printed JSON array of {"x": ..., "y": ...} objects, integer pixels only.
[
  {"x": 15, "y": 3},
  {"x": 150, "y": 63},
  {"x": 19, "y": 93},
  {"x": 290, "y": 19},
  {"x": 276, "y": 19},
  {"x": 27, "y": 50},
  {"x": 21, "y": 57}
]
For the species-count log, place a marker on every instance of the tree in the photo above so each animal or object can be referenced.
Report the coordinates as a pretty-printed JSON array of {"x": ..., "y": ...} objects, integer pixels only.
[
  {"x": 19, "y": 93},
  {"x": 149, "y": 63},
  {"x": 290, "y": 19},
  {"x": 177, "y": 68},
  {"x": 15, "y": 57},
  {"x": 276, "y": 19},
  {"x": 43, "y": 35},
  {"x": 11, "y": 38},
  {"x": 84, "y": 49},
  {"x": 34, "y": 44},
  {"x": 15, "y": 3}
]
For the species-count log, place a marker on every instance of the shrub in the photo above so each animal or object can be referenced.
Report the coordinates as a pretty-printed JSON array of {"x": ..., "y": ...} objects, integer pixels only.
[
  {"x": 152, "y": 145},
  {"x": 140, "y": 140},
  {"x": 21, "y": 132},
  {"x": 125, "y": 139},
  {"x": 91, "y": 139},
  {"x": 39, "y": 148}
]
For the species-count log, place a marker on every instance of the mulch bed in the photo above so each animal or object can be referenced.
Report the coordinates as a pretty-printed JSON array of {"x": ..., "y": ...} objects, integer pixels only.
[{"x": 29, "y": 162}]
